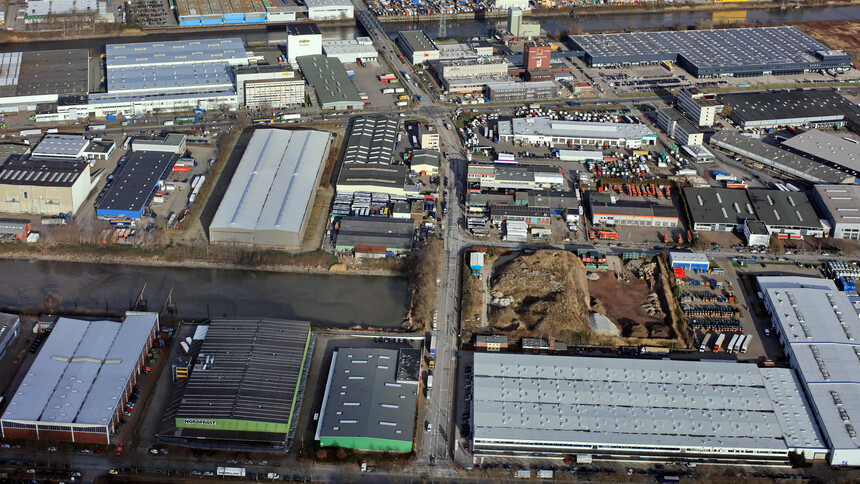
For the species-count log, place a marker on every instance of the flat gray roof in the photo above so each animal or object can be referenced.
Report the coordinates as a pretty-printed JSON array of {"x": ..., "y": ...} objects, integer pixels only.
[
  {"x": 274, "y": 182},
  {"x": 778, "y": 208},
  {"x": 170, "y": 140},
  {"x": 330, "y": 81},
  {"x": 719, "y": 205},
  {"x": 375, "y": 232},
  {"x": 255, "y": 372},
  {"x": 8, "y": 150},
  {"x": 80, "y": 374},
  {"x": 417, "y": 40},
  {"x": 791, "y": 107},
  {"x": 44, "y": 72},
  {"x": 651, "y": 403},
  {"x": 825, "y": 146},
  {"x": 783, "y": 160},
  {"x": 841, "y": 201},
  {"x": 601, "y": 204},
  {"x": 136, "y": 181},
  {"x": 425, "y": 157},
  {"x": 356, "y": 174},
  {"x": 682, "y": 120},
  {"x": 819, "y": 329},
  {"x": 364, "y": 399},
  {"x": 61, "y": 146},
  {"x": 230, "y": 50},
  {"x": 163, "y": 78},
  {"x": 303, "y": 28},
  {"x": 578, "y": 129}
]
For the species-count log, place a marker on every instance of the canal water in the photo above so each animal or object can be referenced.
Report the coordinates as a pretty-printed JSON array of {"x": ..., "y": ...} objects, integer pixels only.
[
  {"x": 477, "y": 28},
  {"x": 325, "y": 300}
]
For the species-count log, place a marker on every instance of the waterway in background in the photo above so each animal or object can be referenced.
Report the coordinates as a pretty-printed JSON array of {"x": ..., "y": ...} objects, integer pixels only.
[
  {"x": 326, "y": 300},
  {"x": 473, "y": 28}
]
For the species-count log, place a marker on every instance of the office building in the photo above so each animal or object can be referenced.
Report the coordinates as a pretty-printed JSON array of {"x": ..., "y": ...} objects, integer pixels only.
[
  {"x": 522, "y": 91},
  {"x": 269, "y": 86},
  {"x": 702, "y": 109},
  {"x": 416, "y": 46},
  {"x": 330, "y": 82},
  {"x": 714, "y": 53},
  {"x": 44, "y": 187},
  {"x": 689, "y": 260},
  {"x": 678, "y": 127},
  {"x": 551, "y": 132},
  {"x": 76, "y": 387},
  {"x": 839, "y": 205},
  {"x": 635, "y": 409},
  {"x": 245, "y": 384},
  {"x": 817, "y": 327},
  {"x": 329, "y": 9},
  {"x": 271, "y": 194},
  {"x": 424, "y": 162},
  {"x": 428, "y": 137},
  {"x": 303, "y": 39},
  {"x": 370, "y": 399},
  {"x": 756, "y": 233},
  {"x": 133, "y": 185}
]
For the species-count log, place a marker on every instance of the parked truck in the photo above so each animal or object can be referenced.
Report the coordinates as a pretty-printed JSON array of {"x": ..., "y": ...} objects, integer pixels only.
[
  {"x": 704, "y": 346},
  {"x": 732, "y": 342},
  {"x": 737, "y": 346},
  {"x": 429, "y": 381},
  {"x": 653, "y": 350},
  {"x": 746, "y": 343},
  {"x": 719, "y": 343},
  {"x": 231, "y": 471},
  {"x": 432, "y": 344}
]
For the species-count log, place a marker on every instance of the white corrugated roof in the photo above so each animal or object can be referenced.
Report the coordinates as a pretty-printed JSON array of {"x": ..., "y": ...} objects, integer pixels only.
[
  {"x": 274, "y": 182},
  {"x": 80, "y": 372},
  {"x": 547, "y": 399},
  {"x": 819, "y": 328}
]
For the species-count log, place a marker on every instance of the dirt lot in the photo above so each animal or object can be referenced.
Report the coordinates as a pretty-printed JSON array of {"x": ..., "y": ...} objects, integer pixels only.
[
  {"x": 843, "y": 34},
  {"x": 628, "y": 312}
]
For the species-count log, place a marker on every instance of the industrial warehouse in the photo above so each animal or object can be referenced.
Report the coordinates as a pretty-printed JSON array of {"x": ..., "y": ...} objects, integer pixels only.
[
  {"x": 726, "y": 210},
  {"x": 794, "y": 108},
  {"x": 368, "y": 158},
  {"x": 547, "y": 132},
  {"x": 136, "y": 179},
  {"x": 827, "y": 149},
  {"x": 611, "y": 209},
  {"x": 270, "y": 196},
  {"x": 779, "y": 159},
  {"x": 373, "y": 237},
  {"x": 44, "y": 187},
  {"x": 331, "y": 83},
  {"x": 243, "y": 387},
  {"x": 370, "y": 399},
  {"x": 616, "y": 408},
  {"x": 714, "y": 53},
  {"x": 840, "y": 207},
  {"x": 75, "y": 389},
  {"x": 817, "y": 324},
  {"x": 42, "y": 77}
]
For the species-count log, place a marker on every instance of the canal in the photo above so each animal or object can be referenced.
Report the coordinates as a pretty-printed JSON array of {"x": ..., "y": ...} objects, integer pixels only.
[{"x": 325, "y": 300}]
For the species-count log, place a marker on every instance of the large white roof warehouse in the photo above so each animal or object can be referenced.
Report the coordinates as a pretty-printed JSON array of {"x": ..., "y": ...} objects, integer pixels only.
[
  {"x": 76, "y": 386},
  {"x": 554, "y": 132},
  {"x": 636, "y": 408},
  {"x": 271, "y": 193},
  {"x": 818, "y": 327}
]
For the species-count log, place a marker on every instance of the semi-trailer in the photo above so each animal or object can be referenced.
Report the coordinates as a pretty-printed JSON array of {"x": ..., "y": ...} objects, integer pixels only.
[
  {"x": 731, "y": 346},
  {"x": 746, "y": 343},
  {"x": 705, "y": 341},
  {"x": 719, "y": 343},
  {"x": 737, "y": 346}
]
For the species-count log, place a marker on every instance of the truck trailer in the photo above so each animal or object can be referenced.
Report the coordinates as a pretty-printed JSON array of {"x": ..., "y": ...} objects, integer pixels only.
[
  {"x": 231, "y": 471},
  {"x": 719, "y": 343},
  {"x": 732, "y": 342},
  {"x": 704, "y": 346}
]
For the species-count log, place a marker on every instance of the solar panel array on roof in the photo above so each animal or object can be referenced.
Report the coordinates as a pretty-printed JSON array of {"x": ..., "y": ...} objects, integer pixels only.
[{"x": 712, "y": 52}]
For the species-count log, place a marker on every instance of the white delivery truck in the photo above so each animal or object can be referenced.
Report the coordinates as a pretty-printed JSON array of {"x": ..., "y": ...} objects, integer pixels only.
[{"x": 231, "y": 471}]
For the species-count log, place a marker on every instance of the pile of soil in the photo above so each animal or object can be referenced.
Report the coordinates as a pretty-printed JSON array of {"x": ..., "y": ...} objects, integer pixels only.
[{"x": 549, "y": 291}]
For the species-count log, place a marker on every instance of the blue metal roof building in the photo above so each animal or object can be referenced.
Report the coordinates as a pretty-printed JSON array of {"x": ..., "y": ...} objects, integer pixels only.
[{"x": 134, "y": 183}]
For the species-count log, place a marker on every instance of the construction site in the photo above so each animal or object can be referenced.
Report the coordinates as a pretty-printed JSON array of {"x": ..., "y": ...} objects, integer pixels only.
[{"x": 573, "y": 297}]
